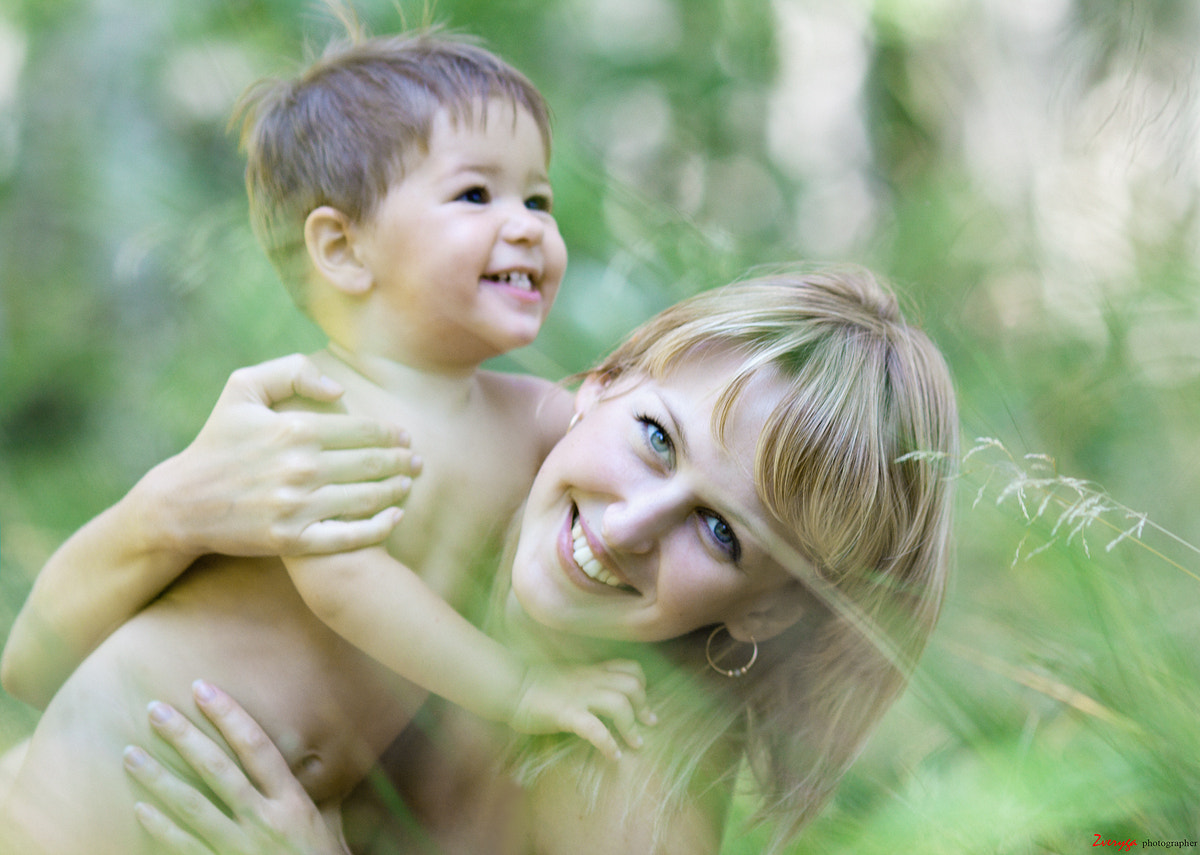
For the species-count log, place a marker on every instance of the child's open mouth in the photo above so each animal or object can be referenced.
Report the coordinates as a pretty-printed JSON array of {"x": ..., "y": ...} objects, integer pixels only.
[{"x": 517, "y": 279}]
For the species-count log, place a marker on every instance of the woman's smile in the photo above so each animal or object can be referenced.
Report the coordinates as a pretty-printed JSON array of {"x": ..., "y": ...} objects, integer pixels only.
[
  {"x": 581, "y": 550},
  {"x": 643, "y": 523}
]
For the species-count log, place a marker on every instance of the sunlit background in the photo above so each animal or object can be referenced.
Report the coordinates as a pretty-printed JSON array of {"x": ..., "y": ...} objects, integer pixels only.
[{"x": 1025, "y": 171}]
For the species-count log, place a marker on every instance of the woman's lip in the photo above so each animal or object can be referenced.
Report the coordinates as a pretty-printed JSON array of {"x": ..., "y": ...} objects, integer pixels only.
[{"x": 566, "y": 557}]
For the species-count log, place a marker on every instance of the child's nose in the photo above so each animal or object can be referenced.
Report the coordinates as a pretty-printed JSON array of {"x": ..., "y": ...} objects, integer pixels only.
[{"x": 522, "y": 225}]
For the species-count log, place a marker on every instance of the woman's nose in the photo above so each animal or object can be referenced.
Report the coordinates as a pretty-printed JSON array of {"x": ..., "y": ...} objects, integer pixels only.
[{"x": 637, "y": 522}]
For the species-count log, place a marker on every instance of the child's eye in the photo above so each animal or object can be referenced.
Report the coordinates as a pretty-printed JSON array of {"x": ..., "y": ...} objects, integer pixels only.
[
  {"x": 474, "y": 195},
  {"x": 539, "y": 203},
  {"x": 657, "y": 439},
  {"x": 722, "y": 533}
]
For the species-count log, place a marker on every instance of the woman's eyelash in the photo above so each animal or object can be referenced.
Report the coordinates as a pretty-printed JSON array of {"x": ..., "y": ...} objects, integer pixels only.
[
  {"x": 733, "y": 546},
  {"x": 655, "y": 427}
]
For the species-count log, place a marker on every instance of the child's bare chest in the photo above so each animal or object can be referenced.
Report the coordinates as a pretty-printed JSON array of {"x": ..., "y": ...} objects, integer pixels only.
[{"x": 476, "y": 472}]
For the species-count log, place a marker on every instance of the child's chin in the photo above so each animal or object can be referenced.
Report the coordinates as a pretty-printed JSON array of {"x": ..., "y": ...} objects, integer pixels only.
[{"x": 523, "y": 337}]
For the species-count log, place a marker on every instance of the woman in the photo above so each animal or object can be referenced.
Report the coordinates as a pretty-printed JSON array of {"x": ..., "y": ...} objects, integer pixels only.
[{"x": 753, "y": 503}]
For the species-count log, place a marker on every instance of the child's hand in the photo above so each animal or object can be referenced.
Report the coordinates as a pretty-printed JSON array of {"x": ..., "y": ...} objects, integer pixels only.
[{"x": 576, "y": 700}]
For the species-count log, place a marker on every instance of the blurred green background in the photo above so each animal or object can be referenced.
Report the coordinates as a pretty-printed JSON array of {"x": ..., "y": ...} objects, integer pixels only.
[{"x": 1026, "y": 172}]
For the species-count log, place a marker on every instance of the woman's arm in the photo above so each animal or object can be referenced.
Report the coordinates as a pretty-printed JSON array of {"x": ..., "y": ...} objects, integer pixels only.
[{"x": 253, "y": 482}]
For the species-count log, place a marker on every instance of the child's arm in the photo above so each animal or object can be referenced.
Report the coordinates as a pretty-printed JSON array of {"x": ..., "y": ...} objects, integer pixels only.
[
  {"x": 386, "y": 610},
  {"x": 254, "y": 482}
]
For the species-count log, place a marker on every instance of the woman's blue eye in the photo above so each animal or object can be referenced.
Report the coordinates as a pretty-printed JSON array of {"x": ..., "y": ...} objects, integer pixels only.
[
  {"x": 659, "y": 441},
  {"x": 475, "y": 195},
  {"x": 722, "y": 533},
  {"x": 656, "y": 437},
  {"x": 720, "y": 529}
]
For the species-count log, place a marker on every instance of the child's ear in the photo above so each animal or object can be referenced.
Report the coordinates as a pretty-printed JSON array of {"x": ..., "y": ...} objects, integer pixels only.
[
  {"x": 772, "y": 613},
  {"x": 329, "y": 237}
]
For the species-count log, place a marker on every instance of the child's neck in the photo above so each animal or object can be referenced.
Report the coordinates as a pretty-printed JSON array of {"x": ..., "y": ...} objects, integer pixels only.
[{"x": 435, "y": 385}]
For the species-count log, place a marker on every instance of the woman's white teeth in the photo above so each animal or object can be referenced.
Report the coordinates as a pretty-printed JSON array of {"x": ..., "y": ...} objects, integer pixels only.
[
  {"x": 587, "y": 561},
  {"x": 516, "y": 280}
]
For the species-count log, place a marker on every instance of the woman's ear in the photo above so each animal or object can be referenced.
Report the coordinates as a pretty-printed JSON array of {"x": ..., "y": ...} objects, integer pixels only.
[
  {"x": 329, "y": 237},
  {"x": 772, "y": 613}
]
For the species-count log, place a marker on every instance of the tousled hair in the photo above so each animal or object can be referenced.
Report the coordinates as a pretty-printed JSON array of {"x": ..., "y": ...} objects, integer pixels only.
[
  {"x": 855, "y": 461},
  {"x": 345, "y": 129}
]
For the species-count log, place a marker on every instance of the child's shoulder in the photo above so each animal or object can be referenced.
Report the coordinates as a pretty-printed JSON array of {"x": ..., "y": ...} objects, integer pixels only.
[{"x": 532, "y": 401}]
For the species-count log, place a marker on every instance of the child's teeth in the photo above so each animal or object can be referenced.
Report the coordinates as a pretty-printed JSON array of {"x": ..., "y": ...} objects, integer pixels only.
[{"x": 516, "y": 280}]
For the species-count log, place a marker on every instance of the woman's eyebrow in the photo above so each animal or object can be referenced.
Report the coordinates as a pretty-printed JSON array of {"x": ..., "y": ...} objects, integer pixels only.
[
  {"x": 676, "y": 427},
  {"x": 750, "y": 519}
]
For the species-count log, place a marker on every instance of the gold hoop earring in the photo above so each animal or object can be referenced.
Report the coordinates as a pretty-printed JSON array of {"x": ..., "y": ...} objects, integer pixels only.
[
  {"x": 574, "y": 421},
  {"x": 729, "y": 672}
]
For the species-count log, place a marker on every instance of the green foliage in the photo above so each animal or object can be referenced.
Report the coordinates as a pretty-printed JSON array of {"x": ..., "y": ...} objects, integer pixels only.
[{"x": 1025, "y": 172}]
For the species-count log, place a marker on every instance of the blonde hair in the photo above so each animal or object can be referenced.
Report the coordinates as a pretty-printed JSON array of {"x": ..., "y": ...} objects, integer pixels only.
[
  {"x": 340, "y": 133},
  {"x": 854, "y": 461}
]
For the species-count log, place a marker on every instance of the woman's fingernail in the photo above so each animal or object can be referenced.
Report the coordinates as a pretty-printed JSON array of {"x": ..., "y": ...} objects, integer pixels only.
[
  {"x": 160, "y": 713},
  {"x": 203, "y": 691},
  {"x": 135, "y": 757},
  {"x": 329, "y": 385}
]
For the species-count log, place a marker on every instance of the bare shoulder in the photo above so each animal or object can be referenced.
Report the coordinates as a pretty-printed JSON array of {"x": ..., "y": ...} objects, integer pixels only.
[{"x": 530, "y": 401}]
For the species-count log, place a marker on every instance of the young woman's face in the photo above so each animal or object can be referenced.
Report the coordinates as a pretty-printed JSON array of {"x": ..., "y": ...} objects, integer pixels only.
[{"x": 642, "y": 525}]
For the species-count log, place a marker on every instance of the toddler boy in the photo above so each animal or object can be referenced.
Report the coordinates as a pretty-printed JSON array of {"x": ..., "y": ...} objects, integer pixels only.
[{"x": 400, "y": 187}]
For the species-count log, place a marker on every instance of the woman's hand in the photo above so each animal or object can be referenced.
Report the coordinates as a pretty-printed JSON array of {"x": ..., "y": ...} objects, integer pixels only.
[
  {"x": 260, "y": 482},
  {"x": 254, "y": 482},
  {"x": 268, "y": 813}
]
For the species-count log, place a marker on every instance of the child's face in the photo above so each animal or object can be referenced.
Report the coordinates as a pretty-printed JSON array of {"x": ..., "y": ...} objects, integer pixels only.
[
  {"x": 465, "y": 254},
  {"x": 641, "y": 524}
]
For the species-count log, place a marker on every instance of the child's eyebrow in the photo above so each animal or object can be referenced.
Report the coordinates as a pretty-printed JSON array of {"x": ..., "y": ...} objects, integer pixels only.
[
  {"x": 473, "y": 166},
  {"x": 476, "y": 167}
]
